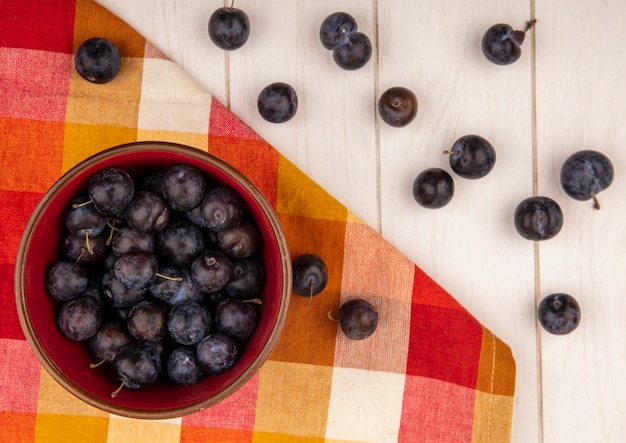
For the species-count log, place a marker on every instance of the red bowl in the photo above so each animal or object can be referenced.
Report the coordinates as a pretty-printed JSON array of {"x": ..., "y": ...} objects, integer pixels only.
[{"x": 68, "y": 361}]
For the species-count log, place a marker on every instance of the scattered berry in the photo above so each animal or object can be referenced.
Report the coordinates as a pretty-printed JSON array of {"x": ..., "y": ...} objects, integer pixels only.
[
  {"x": 336, "y": 28},
  {"x": 277, "y": 102},
  {"x": 502, "y": 45},
  {"x": 585, "y": 174},
  {"x": 351, "y": 49},
  {"x": 538, "y": 218},
  {"x": 397, "y": 106},
  {"x": 358, "y": 319},
  {"x": 433, "y": 188},
  {"x": 472, "y": 157},
  {"x": 354, "y": 52},
  {"x": 97, "y": 60},
  {"x": 229, "y": 28},
  {"x": 559, "y": 313},
  {"x": 310, "y": 275}
]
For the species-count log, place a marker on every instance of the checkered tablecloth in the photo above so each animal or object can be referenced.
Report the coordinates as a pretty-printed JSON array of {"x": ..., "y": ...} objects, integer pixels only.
[{"x": 430, "y": 373}]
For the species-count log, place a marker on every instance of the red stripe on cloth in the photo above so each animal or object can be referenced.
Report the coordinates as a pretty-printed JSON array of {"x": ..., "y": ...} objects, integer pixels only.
[
  {"x": 10, "y": 325},
  {"x": 445, "y": 344},
  {"x": 234, "y": 142},
  {"x": 45, "y": 24},
  {"x": 436, "y": 410},
  {"x": 29, "y": 91},
  {"x": 19, "y": 376}
]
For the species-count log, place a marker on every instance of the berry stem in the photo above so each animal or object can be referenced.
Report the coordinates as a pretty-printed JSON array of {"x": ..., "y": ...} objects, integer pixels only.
[
  {"x": 310, "y": 293},
  {"x": 117, "y": 391},
  {"x": 95, "y": 365},
  {"x": 80, "y": 205},
  {"x": 446, "y": 152},
  {"x": 113, "y": 229},
  {"x": 330, "y": 316},
  {"x": 167, "y": 277},
  {"x": 596, "y": 203},
  {"x": 82, "y": 253},
  {"x": 256, "y": 301},
  {"x": 88, "y": 244},
  {"x": 530, "y": 24}
]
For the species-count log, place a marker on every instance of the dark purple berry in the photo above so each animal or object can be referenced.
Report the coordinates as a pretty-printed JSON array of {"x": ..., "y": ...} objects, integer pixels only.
[
  {"x": 136, "y": 270},
  {"x": 117, "y": 294},
  {"x": 84, "y": 250},
  {"x": 538, "y": 218},
  {"x": 472, "y": 157},
  {"x": 180, "y": 243},
  {"x": 217, "y": 353},
  {"x": 66, "y": 280},
  {"x": 132, "y": 240},
  {"x": 354, "y": 52},
  {"x": 502, "y": 45},
  {"x": 433, "y": 188},
  {"x": 229, "y": 28},
  {"x": 211, "y": 270},
  {"x": 111, "y": 190},
  {"x": 174, "y": 285},
  {"x": 559, "y": 313},
  {"x": 585, "y": 174},
  {"x": 97, "y": 60},
  {"x": 147, "y": 320},
  {"x": 310, "y": 275},
  {"x": 148, "y": 212},
  {"x": 152, "y": 182},
  {"x": 82, "y": 218},
  {"x": 183, "y": 367},
  {"x": 397, "y": 106},
  {"x": 137, "y": 365},
  {"x": 183, "y": 187},
  {"x": 79, "y": 318},
  {"x": 358, "y": 319},
  {"x": 235, "y": 318},
  {"x": 247, "y": 279},
  {"x": 335, "y": 29},
  {"x": 108, "y": 341},
  {"x": 240, "y": 241},
  {"x": 277, "y": 102},
  {"x": 222, "y": 208},
  {"x": 188, "y": 322}
]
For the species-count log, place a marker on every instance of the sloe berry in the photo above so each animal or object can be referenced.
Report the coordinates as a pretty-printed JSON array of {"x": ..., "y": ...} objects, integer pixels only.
[{"x": 217, "y": 353}]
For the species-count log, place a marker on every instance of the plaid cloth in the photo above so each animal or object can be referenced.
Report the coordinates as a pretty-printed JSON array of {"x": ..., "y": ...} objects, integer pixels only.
[{"x": 431, "y": 372}]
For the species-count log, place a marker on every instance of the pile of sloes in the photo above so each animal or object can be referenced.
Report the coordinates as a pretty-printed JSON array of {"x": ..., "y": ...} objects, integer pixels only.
[{"x": 159, "y": 271}]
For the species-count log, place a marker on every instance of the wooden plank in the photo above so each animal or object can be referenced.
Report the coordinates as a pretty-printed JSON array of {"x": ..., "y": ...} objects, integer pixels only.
[
  {"x": 581, "y": 91},
  {"x": 331, "y": 138},
  {"x": 469, "y": 246}
]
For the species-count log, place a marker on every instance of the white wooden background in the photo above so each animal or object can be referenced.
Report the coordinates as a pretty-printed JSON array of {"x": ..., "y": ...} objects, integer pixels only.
[{"x": 567, "y": 92}]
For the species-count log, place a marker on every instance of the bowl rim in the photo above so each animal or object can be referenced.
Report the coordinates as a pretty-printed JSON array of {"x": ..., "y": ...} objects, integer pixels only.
[{"x": 282, "y": 311}]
